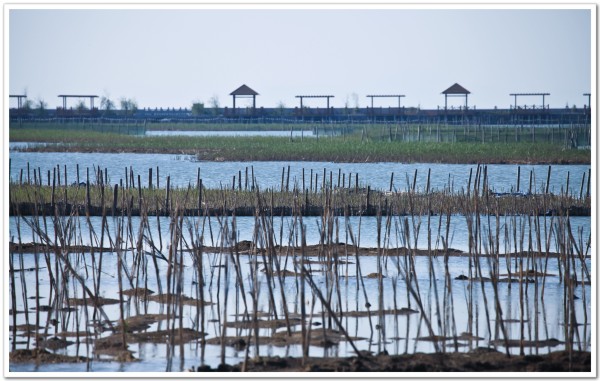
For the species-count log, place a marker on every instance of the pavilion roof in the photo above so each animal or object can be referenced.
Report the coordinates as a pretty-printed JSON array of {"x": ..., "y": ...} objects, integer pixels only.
[
  {"x": 243, "y": 90},
  {"x": 456, "y": 89}
]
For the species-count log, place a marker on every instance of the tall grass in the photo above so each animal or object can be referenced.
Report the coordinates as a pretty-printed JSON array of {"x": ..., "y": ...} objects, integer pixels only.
[
  {"x": 158, "y": 201},
  {"x": 345, "y": 148}
]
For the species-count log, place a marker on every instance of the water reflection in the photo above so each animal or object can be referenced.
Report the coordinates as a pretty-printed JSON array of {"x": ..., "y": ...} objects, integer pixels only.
[
  {"x": 183, "y": 170},
  {"x": 363, "y": 228},
  {"x": 398, "y": 337},
  {"x": 298, "y": 133}
]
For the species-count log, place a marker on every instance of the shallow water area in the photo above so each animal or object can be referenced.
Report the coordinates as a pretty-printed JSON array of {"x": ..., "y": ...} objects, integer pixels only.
[
  {"x": 183, "y": 170},
  {"x": 400, "y": 331},
  {"x": 469, "y": 306},
  {"x": 17, "y": 146},
  {"x": 362, "y": 228},
  {"x": 299, "y": 133},
  {"x": 392, "y": 303}
]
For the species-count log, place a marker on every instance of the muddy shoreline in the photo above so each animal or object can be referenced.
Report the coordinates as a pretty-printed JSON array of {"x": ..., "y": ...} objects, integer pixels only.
[
  {"x": 294, "y": 153},
  {"x": 247, "y": 248},
  {"x": 477, "y": 360},
  {"x": 31, "y": 209}
]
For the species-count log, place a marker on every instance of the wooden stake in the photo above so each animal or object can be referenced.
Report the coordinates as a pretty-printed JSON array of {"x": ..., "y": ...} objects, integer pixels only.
[
  {"x": 168, "y": 190},
  {"x": 548, "y": 179},
  {"x": 53, "y": 186},
  {"x": 414, "y": 184},
  {"x": 115, "y": 197}
]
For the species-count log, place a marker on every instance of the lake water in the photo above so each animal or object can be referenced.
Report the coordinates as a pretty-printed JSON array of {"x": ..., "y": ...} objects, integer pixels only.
[
  {"x": 364, "y": 229},
  {"x": 15, "y": 146},
  {"x": 183, "y": 170},
  {"x": 398, "y": 333},
  {"x": 296, "y": 133}
]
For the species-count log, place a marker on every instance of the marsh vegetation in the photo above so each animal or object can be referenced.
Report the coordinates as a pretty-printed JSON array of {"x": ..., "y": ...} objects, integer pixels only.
[
  {"x": 408, "y": 143},
  {"x": 207, "y": 289},
  {"x": 301, "y": 267}
]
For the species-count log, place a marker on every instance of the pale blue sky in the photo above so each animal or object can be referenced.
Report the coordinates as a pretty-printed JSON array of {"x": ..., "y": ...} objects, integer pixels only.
[{"x": 170, "y": 58}]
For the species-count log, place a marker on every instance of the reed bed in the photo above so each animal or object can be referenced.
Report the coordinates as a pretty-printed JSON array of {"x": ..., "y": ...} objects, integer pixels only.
[
  {"x": 93, "y": 194},
  {"x": 368, "y": 146},
  {"x": 435, "y": 130},
  {"x": 193, "y": 287},
  {"x": 311, "y": 203}
]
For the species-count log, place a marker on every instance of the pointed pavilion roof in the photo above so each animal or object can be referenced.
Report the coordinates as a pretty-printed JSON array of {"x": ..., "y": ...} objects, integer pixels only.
[
  {"x": 456, "y": 89},
  {"x": 243, "y": 90}
]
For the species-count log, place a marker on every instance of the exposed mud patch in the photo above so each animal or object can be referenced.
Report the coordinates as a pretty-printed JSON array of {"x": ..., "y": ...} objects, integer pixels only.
[
  {"x": 400, "y": 311},
  {"x": 42, "y": 356},
  {"x": 275, "y": 323},
  {"x": 183, "y": 299},
  {"x": 53, "y": 343},
  {"x": 140, "y": 292},
  {"x": 318, "y": 337},
  {"x": 178, "y": 336},
  {"x": 99, "y": 301},
  {"x": 141, "y": 322},
  {"x": 478, "y": 360}
]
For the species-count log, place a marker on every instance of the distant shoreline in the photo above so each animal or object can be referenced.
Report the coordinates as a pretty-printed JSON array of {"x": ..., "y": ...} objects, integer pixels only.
[
  {"x": 220, "y": 149},
  {"x": 221, "y": 156},
  {"x": 352, "y": 143}
]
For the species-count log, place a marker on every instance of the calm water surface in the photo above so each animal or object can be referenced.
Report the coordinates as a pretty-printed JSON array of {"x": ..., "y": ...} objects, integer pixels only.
[
  {"x": 297, "y": 133},
  {"x": 364, "y": 230},
  {"x": 183, "y": 170},
  {"x": 399, "y": 333}
]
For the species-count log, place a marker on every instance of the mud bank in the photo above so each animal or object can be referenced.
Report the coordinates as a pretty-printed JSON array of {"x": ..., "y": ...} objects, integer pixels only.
[{"x": 478, "y": 360}]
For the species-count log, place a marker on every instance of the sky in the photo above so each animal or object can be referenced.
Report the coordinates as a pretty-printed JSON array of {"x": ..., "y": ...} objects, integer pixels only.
[{"x": 175, "y": 57}]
